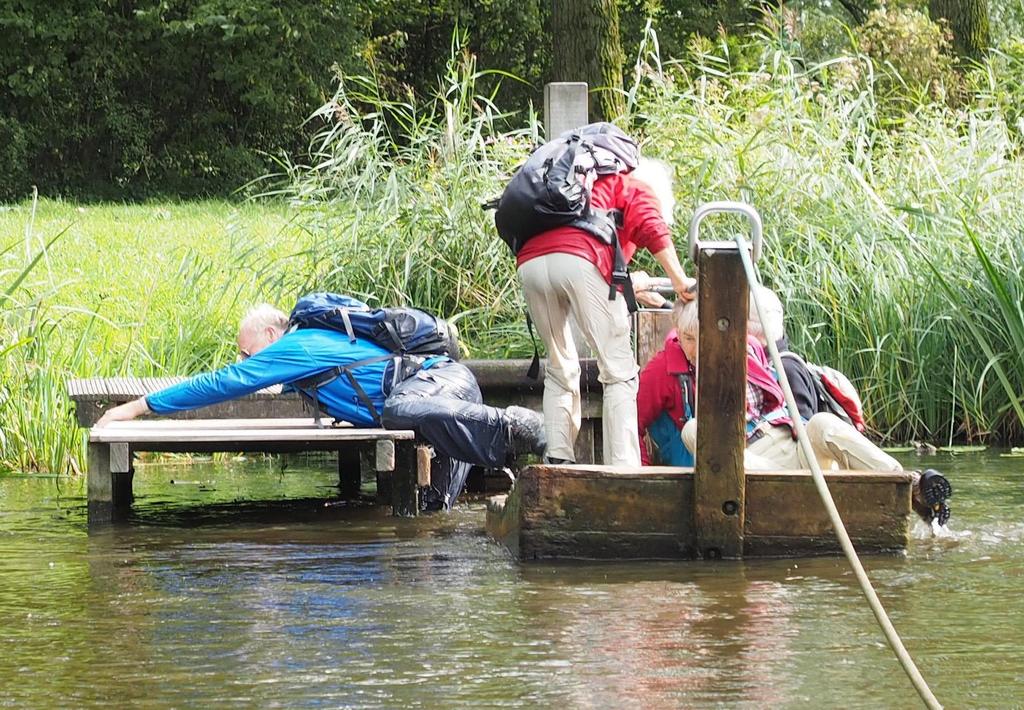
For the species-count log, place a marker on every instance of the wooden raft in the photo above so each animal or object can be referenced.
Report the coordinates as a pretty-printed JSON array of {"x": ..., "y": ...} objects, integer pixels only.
[
  {"x": 604, "y": 512},
  {"x": 716, "y": 509},
  {"x": 401, "y": 465}
]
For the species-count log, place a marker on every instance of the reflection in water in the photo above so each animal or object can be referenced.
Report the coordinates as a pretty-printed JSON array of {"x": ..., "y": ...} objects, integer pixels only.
[
  {"x": 655, "y": 638},
  {"x": 202, "y": 600}
]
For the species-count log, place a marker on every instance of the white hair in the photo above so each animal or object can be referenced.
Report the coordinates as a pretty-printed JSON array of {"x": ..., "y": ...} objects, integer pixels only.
[
  {"x": 684, "y": 315},
  {"x": 657, "y": 175},
  {"x": 263, "y": 316},
  {"x": 771, "y": 329}
]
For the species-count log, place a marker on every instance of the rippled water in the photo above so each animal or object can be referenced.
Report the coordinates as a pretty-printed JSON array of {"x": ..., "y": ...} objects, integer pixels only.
[{"x": 202, "y": 601}]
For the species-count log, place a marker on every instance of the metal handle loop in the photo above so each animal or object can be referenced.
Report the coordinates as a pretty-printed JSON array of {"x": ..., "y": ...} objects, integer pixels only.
[{"x": 725, "y": 206}]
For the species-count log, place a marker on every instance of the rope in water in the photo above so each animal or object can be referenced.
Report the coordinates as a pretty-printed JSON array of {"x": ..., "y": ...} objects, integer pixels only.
[{"x": 826, "y": 497}]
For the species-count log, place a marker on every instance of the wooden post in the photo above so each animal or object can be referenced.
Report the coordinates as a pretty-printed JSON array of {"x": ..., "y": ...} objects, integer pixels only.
[
  {"x": 350, "y": 471},
  {"x": 109, "y": 482},
  {"x": 650, "y": 326},
  {"x": 384, "y": 464},
  {"x": 424, "y": 456},
  {"x": 100, "y": 495},
  {"x": 122, "y": 471},
  {"x": 405, "y": 492},
  {"x": 719, "y": 497}
]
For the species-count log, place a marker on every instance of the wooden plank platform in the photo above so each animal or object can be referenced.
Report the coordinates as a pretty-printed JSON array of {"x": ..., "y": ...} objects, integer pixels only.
[
  {"x": 394, "y": 455},
  {"x": 502, "y": 382},
  {"x": 269, "y": 436},
  {"x": 602, "y": 512}
]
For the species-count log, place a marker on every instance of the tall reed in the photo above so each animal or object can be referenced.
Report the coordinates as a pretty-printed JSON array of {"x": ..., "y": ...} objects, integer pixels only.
[{"x": 125, "y": 290}]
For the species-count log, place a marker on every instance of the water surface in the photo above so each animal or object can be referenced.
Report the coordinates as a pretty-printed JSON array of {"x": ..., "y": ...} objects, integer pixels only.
[{"x": 206, "y": 600}]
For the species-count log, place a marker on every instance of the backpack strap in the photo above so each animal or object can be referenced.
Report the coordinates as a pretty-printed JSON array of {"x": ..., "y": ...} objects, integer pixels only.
[
  {"x": 404, "y": 366},
  {"x": 393, "y": 334},
  {"x": 308, "y": 388},
  {"x": 620, "y": 277},
  {"x": 347, "y": 321},
  {"x": 606, "y": 223},
  {"x": 687, "y": 395},
  {"x": 534, "y": 371}
]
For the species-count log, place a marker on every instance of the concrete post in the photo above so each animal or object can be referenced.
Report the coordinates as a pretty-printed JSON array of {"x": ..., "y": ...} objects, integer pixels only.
[{"x": 566, "y": 106}]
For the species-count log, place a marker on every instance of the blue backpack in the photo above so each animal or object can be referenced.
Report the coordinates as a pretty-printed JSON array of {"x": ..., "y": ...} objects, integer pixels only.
[
  {"x": 402, "y": 331},
  {"x": 409, "y": 334}
]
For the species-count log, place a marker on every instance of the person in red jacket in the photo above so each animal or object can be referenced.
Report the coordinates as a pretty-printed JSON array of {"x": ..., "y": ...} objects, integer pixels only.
[
  {"x": 568, "y": 271},
  {"x": 665, "y": 402}
]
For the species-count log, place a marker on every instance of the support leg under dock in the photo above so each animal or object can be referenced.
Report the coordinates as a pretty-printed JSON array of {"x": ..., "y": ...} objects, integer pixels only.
[{"x": 110, "y": 475}]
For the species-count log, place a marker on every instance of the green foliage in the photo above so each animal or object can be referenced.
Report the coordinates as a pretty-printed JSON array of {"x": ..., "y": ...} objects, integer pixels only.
[
  {"x": 150, "y": 290},
  {"x": 1006, "y": 20},
  {"x": 411, "y": 42},
  {"x": 911, "y": 55},
  {"x": 393, "y": 198},
  {"x": 858, "y": 211},
  {"x": 128, "y": 100},
  {"x": 676, "y": 21},
  {"x": 998, "y": 85},
  {"x": 895, "y": 244}
]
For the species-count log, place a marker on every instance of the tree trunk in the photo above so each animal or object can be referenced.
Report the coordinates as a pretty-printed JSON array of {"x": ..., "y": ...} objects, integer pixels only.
[
  {"x": 968, "y": 19},
  {"x": 585, "y": 46}
]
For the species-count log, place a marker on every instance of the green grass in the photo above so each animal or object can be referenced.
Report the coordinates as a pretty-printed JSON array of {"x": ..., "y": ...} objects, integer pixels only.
[{"x": 149, "y": 289}]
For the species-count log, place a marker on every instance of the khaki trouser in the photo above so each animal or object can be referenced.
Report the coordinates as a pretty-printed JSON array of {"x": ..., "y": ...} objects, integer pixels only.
[
  {"x": 839, "y": 445},
  {"x": 777, "y": 450},
  {"x": 556, "y": 285},
  {"x": 836, "y": 445}
]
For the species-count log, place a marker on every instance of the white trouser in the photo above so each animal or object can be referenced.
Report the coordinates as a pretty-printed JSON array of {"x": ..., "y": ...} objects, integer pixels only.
[
  {"x": 836, "y": 445},
  {"x": 839, "y": 445},
  {"x": 777, "y": 450},
  {"x": 556, "y": 285}
]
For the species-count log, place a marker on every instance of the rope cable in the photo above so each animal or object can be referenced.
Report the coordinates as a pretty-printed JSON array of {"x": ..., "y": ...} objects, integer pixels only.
[{"x": 826, "y": 497}]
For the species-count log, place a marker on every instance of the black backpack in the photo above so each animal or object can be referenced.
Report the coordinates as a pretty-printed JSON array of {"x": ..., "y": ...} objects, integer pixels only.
[
  {"x": 552, "y": 188},
  {"x": 409, "y": 334}
]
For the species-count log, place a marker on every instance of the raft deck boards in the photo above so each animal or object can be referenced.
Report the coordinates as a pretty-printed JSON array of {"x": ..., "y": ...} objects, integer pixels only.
[{"x": 604, "y": 512}]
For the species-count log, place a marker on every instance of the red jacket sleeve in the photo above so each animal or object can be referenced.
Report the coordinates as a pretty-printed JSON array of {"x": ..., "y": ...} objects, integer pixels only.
[{"x": 642, "y": 223}]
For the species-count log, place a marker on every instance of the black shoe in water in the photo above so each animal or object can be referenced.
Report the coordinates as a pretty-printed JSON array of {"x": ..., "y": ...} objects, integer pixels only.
[{"x": 931, "y": 495}]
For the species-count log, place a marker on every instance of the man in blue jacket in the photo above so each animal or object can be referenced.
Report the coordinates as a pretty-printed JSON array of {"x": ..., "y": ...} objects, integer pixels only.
[{"x": 441, "y": 402}]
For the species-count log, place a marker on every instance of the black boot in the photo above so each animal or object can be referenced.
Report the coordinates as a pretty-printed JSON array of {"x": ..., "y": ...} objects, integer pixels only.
[
  {"x": 526, "y": 430},
  {"x": 931, "y": 491}
]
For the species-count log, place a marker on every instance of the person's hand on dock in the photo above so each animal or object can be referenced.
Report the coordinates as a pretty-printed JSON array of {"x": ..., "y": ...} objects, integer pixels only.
[
  {"x": 644, "y": 289},
  {"x": 686, "y": 288},
  {"x": 124, "y": 412}
]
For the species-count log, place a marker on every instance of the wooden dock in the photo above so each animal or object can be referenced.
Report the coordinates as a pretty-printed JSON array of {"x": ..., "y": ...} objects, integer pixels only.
[
  {"x": 502, "y": 382},
  {"x": 394, "y": 455},
  {"x": 605, "y": 513}
]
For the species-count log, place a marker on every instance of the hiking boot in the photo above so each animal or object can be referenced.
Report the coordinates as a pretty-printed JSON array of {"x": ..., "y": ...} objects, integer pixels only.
[
  {"x": 930, "y": 492},
  {"x": 552, "y": 461},
  {"x": 526, "y": 429}
]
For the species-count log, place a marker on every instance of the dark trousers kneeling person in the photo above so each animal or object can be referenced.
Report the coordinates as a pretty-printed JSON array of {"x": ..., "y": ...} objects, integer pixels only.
[{"x": 444, "y": 406}]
